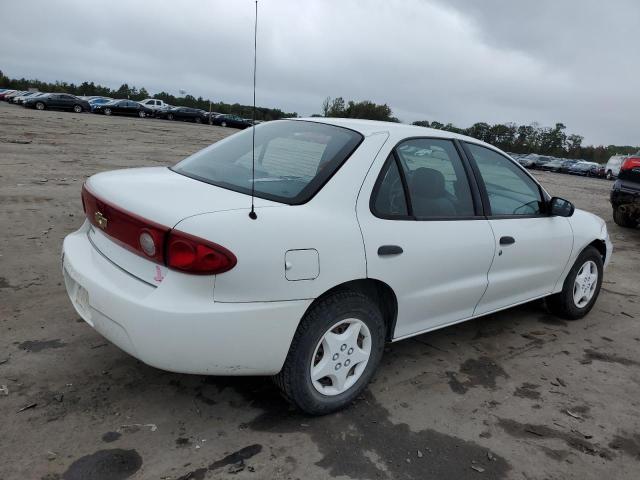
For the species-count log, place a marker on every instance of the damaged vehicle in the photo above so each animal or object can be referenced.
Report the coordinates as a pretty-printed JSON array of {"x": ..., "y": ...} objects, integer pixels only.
[
  {"x": 625, "y": 193},
  {"x": 353, "y": 240}
]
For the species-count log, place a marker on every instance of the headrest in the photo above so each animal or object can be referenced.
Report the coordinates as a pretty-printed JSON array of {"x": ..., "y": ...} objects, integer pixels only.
[{"x": 427, "y": 183}]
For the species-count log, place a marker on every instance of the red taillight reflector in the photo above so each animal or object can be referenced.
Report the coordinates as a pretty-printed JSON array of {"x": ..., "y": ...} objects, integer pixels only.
[
  {"x": 630, "y": 163},
  {"x": 192, "y": 254},
  {"x": 143, "y": 237}
]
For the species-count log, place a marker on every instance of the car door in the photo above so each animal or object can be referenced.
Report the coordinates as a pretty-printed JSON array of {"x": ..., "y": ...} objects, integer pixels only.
[
  {"x": 532, "y": 247},
  {"x": 55, "y": 101},
  {"x": 67, "y": 101},
  {"x": 425, "y": 234}
]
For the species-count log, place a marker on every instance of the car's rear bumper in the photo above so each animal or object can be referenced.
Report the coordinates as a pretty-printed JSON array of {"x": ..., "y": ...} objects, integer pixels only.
[{"x": 177, "y": 326}]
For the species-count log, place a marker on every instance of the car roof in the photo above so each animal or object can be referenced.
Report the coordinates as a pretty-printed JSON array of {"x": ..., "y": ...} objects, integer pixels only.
[{"x": 369, "y": 127}]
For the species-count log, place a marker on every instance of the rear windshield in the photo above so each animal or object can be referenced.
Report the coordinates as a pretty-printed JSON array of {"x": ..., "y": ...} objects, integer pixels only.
[{"x": 293, "y": 159}]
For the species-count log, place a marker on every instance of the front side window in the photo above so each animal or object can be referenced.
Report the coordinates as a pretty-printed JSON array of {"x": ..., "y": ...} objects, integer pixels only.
[
  {"x": 511, "y": 191},
  {"x": 293, "y": 159}
]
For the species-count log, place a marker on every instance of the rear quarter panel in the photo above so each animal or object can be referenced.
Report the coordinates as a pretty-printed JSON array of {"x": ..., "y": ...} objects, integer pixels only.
[{"x": 327, "y": 224}]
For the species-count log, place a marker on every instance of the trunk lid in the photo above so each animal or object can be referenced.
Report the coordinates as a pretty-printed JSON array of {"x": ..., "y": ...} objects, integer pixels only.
[{"x": 157, "y": 195}]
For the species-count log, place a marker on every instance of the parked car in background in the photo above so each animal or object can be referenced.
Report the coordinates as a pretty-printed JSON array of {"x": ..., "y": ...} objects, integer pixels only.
[
  {"x": 210, "y": 116},
  {"x": 566, "y": 164},
  {"x": 552, "y": 166},
  {"x": 579, "y": 168},
  {"x": 155, "y": 104},
  {"x": 625, "y": 193},
  {"x": 20, "y": 99},
  {"x": 597, "y": 170},
  {"x": 5, "y": 92},
  {"x": 16, "y": 93},
  {"x": 165, "y": 263},
  {"x": 58, "y": 101},
  {"x": 526, "y": 161},
  {"x": 94, "y": 102},
  {"x": 229, "y": 120},
  {"x": 123, "y": 107},
  {"x": 613, "y": 166},
  {"x": 183, "y": 113}
]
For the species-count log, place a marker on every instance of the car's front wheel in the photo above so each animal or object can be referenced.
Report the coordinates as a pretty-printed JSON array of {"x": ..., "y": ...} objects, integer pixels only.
[
  {"x": 107, "y": 111},
  {"x": 170, "y": 116},
  {"x": 581, "y": 287},
  {"x": 623, "y": 219},
  {"x": 141, "y": 114},
  {"x": 40, "y": 106},
  {"x": 223, "y": 124},
  {"x": 77, "y": 108},
  {"x": 334, "y": 353}
]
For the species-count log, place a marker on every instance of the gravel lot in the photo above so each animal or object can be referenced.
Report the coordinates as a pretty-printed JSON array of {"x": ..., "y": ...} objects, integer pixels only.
[{"x": 518, "y": 395}]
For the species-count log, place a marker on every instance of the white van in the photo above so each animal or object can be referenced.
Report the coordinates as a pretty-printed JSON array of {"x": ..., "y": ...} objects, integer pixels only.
[{"x": 612, "y": 169}]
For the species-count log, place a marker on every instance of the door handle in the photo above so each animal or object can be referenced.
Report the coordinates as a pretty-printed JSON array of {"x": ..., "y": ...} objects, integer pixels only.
[
  {"x": 507, "y": 240},
  {"x": 389, "y": 250}
]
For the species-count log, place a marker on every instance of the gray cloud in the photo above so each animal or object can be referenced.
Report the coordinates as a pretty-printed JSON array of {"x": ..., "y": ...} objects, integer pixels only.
[{"x": 458, "y": 61}]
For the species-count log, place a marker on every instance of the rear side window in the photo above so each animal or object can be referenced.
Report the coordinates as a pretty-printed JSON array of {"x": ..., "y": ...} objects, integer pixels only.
[
  {"x": 511, "y": 191},
  {"x": 431, "y": 172},
  {"x": 293, "y": 159},
  {"x": 389, "y": 199}
]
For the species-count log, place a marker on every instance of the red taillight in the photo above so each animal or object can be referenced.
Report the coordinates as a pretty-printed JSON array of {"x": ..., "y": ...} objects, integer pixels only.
[
  {"x": 630, "y": 163},
  {"x": 177, "y": 250},
  {"x": 195, "y": 255},
  {"x": 141, "y": 236}
]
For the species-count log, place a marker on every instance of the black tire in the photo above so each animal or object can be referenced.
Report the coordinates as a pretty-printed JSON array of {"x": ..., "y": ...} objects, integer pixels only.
[
  {"x": 40, "y": 106},
  {"x": 77, "y": 108},
  {"x": 223, "y": 124},
  {"x": 609, "y": 175},
  {"x": 294, "y": 380},
  {"x": 197, "y": 120},
  {"x": 107, "y": 111},
  {"x": 170, "y": 116},
  {"x": 141, "y": 114},
  {"x": 562, "y": 304},
  {"x": 623, "y": 219}
]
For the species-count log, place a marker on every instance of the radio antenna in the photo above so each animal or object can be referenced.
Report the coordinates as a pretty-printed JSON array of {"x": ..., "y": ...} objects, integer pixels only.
[{"x": 252, "y": 214}]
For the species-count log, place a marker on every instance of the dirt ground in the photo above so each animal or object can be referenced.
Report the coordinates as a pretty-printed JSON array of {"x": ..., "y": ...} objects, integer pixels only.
[{"x": 517, "y": 395}]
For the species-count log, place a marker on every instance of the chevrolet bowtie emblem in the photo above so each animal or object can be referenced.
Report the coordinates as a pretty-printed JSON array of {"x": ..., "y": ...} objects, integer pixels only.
[{"x": 101, "y": 220}]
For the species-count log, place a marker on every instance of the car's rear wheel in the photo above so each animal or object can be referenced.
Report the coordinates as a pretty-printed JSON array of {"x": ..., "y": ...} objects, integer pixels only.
[
  {"x": 198, "y": 120},
  {"x": 77, "y": 108},
  {"x": 223, "y": 124},
  {"x": 623, "y": 219},
  {"x": 107, "y": 111},
  {"x": 141, "y": 114},
  {"x": 609, "y": 175},
  {"x": 581, "y": 287},
  {"x": 334, "y": 353},
  {"x": 40, "y": 106}
]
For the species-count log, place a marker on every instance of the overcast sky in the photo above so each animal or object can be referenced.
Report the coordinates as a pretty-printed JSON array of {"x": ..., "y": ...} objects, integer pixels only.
[{"x": 459, "y": 61}]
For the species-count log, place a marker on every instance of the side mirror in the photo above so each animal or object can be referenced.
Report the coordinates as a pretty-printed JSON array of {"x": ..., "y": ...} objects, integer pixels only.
[{"x": 559, "y": 207}]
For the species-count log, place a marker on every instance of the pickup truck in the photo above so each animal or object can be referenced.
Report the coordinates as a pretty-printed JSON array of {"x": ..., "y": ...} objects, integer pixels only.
[
  {"x": 625, "y": 193},
  {"x": 155, "y": 104}
]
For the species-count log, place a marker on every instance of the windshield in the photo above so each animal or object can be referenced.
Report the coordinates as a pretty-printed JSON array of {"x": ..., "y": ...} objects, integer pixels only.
[{"x": 293, "y": 159}]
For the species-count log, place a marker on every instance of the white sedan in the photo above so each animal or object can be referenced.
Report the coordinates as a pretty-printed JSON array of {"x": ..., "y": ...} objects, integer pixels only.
[{"x": 364, "y": 233}]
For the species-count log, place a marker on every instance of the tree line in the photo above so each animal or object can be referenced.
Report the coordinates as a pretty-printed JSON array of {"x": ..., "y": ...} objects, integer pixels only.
[
  {"x": 134, "y": 93},
  {"x": 533, "y": 138}
]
